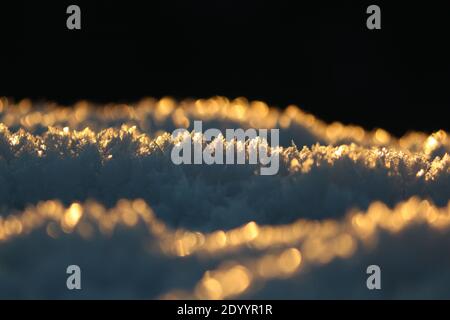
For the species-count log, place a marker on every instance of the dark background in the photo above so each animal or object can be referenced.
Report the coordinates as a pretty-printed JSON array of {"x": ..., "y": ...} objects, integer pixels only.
[{"x": 316, "y": 54}]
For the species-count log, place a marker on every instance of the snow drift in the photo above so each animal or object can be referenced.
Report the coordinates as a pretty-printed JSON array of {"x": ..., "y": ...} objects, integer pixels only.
[{"x": 95, "y": 186}]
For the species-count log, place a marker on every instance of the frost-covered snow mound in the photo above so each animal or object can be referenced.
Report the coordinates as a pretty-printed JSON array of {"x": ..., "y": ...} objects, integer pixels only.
[{"x": 95, "y": 186}]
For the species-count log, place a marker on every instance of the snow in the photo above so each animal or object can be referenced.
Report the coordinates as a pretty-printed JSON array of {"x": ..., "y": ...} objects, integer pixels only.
[{"x": 53, "y": 156}]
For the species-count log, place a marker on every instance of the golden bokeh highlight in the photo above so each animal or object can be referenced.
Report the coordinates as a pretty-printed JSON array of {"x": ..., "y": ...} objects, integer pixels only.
[
  {"x": 288, "y": 246},
  {"x": 254, "y": 114}
]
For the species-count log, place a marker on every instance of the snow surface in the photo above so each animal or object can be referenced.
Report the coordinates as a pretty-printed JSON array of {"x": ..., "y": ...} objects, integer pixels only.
[{"x": 103, "y": 154}]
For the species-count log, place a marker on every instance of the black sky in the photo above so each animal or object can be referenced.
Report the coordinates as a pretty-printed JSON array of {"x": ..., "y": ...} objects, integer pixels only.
[{"x": 318, "y": 55}]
